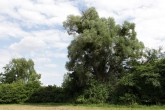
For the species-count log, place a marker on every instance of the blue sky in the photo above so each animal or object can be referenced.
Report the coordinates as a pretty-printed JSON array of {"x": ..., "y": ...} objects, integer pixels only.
[{"x": 33, "y": 29}]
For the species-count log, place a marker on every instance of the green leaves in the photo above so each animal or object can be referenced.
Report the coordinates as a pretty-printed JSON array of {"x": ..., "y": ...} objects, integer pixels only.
[
  {"x": 15, "y": 92},
  {"x": 19, "y": 69},
  {"x": 95, "y": 92},
  {"x": 19, "y": 81},
  {"x": 100, "y": 50},
  {"x": 101, "y": 46}
]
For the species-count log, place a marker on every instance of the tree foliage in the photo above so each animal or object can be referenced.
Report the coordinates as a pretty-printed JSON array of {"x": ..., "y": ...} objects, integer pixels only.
[
  {"x": 48, "y": 94},
  {"x": 16, "y": 92},
  {"x": 101, "y": 47},
  {"x": 144, "y": 81},
  {"x": 18, "y": 81},
  {"x": 95, "y": 92},
  {"x": 20, "y": 69}
]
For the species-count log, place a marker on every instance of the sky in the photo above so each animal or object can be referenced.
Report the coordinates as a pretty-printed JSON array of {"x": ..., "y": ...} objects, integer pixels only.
[{"x": 33, "y": 29}]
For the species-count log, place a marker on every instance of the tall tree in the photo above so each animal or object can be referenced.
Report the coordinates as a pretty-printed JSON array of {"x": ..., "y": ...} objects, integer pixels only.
[
  {"x": 100, "y": 48},
  {"x": 20, "y": 69}
]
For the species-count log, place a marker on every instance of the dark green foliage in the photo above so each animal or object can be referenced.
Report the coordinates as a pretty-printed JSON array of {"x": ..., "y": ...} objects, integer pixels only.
[
  {"x": 125, "y": 91},
  {"x": 95, "y": 92},
  {"x": 160, "y": 68},
  {"x": 48, "y": 94},
  {"x": 71, "y": 88},
  {"x": 144, "y": 82}
]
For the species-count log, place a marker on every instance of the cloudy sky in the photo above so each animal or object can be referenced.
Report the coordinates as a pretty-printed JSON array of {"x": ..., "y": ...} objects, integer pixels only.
[{"x": 33, "y": 29}]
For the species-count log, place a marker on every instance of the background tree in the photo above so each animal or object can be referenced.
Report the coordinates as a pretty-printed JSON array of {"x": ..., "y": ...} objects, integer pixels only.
[
  {"x": 18, "y": 81},
  {"x": 20, "y": 69}
]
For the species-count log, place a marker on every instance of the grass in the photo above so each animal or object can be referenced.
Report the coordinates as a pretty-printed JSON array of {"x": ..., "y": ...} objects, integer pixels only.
[{"x": 76, "y": 107}]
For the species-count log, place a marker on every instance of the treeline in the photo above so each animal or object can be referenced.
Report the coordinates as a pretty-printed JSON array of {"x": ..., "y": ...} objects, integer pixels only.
[
  {"x": 107, "y": 64},
  {"x": 20, "y": 83},
  {"x": 143, "y": 84}
]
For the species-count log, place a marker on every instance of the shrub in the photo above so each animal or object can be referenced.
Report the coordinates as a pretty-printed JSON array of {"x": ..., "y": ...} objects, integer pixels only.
[
  {"x": 16, "y": 92},
  {"x": 47, "y": 94},
  {"x": 95, "y": 92},
  {"x": 12, "y": 93}
]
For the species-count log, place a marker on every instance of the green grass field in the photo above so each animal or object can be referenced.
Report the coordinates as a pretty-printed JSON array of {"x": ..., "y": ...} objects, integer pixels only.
[{"x": 77, "y": 107}]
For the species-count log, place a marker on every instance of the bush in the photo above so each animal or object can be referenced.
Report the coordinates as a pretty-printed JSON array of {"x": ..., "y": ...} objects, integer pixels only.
[
  {"x": 95, "y": 92},
  {"x": 12, "y": 93},
  {"x": 48, "y": 94},
  {"x": 16, "y": 92},
  {"x": 128, "y": 98}
]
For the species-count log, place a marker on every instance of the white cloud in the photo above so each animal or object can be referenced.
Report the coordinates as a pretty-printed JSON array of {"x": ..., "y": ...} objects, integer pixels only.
[
  {"x": 53, "y": 38},
  {"x": 6, "y": 56},
  {"x": 25, "y": 21},
  {"x": 51, "y": 65},
  {"x": 32, "y": 16},
  {"x": 52, "y": 78},
  {"x": 8, "y": 29},
  {"x": 29, "y": 44},
  {"x": 42, "y": 12},
  {"x": 60, "y": 55}
]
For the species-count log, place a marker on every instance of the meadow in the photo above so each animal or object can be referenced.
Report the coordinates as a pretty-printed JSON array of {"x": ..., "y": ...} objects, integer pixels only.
[{"x": 77, "y": 107}]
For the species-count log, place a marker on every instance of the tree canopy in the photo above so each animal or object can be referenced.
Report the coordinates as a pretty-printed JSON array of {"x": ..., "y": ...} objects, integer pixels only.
[
  {"x": 20, "y": 69},
  {"x": 18, "y": 81},
  {"x": 100, "y": 48}
]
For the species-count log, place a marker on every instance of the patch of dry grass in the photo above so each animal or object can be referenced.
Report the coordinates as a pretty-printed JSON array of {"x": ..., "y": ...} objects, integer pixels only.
[
  {"x": 40, "y": 107},
  {"x": 71, "y": 107}
]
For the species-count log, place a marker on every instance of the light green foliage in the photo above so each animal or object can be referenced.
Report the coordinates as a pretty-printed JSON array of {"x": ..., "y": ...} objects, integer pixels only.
[
  {"x": 19, "y": 81},
  {"x": 20, "y": 69},
  {"x": 7, "y": 96},
  {"x": 13, "y": 93},
  {"x": 16, "y": 92}
]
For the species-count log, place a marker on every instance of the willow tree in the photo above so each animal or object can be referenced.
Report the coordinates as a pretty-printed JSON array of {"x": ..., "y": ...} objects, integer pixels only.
[{"x": 100, "y": 49}]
